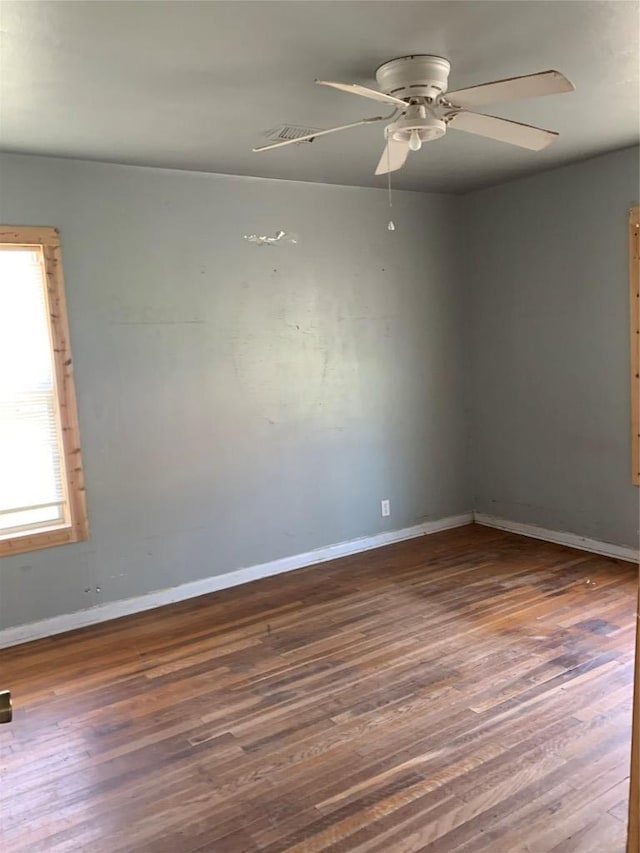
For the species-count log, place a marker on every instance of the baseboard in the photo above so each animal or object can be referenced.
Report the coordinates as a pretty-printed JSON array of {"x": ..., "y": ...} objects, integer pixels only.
[
  {"x": 115, "y": 609},
  {"x": 571, "y": 540}
]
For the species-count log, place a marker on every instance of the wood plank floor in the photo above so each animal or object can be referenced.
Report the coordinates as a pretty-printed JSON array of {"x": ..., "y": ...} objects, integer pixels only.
[{"x": 466, "y": 691}]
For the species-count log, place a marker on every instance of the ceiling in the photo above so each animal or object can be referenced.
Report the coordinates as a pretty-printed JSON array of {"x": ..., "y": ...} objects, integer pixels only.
[{"x": 194, "y": 85}]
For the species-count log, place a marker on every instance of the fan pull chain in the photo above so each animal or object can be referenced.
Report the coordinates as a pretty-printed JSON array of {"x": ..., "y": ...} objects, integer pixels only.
[{"x": 391, "y": 225}]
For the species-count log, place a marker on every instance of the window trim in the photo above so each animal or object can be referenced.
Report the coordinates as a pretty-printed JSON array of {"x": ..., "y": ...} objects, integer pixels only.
[
  {"x": 48, "y": 239},
  {"x": 634, "y": 314}
]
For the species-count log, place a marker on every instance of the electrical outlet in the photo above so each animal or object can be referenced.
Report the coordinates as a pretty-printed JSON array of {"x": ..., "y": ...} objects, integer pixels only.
[{"x": 385, "y": 507}]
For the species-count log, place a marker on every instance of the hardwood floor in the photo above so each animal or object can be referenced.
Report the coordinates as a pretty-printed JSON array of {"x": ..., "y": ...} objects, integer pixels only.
[{"x": 466, "y": 691}]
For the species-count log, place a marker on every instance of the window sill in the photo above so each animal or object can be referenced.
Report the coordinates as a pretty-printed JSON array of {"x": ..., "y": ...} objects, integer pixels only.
[{"x": 35, "y": 541}]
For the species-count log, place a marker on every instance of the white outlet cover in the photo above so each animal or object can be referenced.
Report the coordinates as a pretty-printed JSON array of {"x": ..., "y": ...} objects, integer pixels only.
[{"x": 385, "y": 507}]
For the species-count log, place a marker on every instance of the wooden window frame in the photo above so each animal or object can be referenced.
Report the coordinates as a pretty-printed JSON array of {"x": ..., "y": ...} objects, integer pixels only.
[
  {"x": 634, "y": 312},
  {"x": 76, "y": 529}
]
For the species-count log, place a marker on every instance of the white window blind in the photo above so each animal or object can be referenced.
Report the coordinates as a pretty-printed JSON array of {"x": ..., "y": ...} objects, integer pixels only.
[{"x": 32, "y": 476}]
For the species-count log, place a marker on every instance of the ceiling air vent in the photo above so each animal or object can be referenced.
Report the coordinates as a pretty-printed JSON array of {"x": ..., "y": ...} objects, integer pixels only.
[{"x": 290, "y": 131}]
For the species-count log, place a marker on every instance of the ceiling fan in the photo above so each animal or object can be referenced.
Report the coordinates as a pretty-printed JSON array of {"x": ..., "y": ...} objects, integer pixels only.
[{"x": 423, "y": 110}]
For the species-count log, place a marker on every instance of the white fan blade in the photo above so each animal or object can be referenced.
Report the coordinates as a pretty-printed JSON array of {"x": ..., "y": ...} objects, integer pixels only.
[
  {"x": 511, "y": 89},
  {"x": 393, "y": 157},
  {"x": 513, "y": 132},
  {"x": 320, "y": 133},
  {"x": 355, "y": 89}
]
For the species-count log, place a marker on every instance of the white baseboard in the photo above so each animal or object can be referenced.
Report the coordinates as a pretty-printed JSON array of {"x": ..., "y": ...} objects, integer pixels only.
[
  {"x": 571, "y": 540},
  {"x": 115, "y": 609}
]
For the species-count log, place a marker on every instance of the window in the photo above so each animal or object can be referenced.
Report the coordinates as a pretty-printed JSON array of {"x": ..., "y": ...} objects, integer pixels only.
[
  {"x": 634, "y": 296},
  {"x": 42, "y": 501}
]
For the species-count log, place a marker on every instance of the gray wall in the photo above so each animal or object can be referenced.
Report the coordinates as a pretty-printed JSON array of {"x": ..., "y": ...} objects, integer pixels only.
[
  {"x": 548, "y": 272},
  {"x": 238, "y": 404}
]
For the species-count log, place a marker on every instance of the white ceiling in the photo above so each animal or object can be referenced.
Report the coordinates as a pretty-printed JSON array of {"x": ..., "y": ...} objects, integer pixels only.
[{"x": 193, "y": 85}]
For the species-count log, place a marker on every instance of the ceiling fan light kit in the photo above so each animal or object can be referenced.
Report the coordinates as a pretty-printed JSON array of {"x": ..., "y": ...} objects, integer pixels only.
[
  {"x": 416, "y": 87},
  {"x": 415, "y": 127}
]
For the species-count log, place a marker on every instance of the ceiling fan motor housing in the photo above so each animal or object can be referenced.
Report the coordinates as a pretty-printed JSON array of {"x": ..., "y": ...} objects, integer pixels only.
[{"x": 414, "y": 77}]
